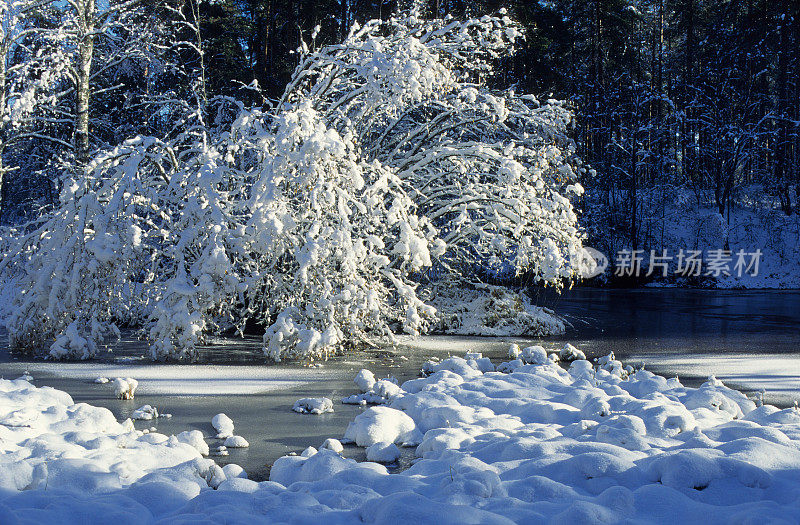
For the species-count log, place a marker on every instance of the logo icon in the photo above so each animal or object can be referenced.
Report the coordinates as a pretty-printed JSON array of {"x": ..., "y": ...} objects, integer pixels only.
[{"x": 591, "y": 263}]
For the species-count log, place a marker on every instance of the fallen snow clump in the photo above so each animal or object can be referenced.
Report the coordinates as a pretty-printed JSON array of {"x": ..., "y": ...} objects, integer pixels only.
[
  {"x": 313, "y": 405},
  {"x": 223, "y": 425},
  {"x": 124, "y": 388}
]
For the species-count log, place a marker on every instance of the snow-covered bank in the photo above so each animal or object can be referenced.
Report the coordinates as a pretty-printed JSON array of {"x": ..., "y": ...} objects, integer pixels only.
[
  {"x": 539, "y": 444},
  {"x": 494, "y": 311},
  {"x": 691, "y": 222}
]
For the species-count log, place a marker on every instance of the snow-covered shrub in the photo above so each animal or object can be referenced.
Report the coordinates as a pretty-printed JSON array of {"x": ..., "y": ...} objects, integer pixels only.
[
  {"x": 491, "y": 170},
  {"x": 337, "y": 238},
  {"x": 387, "y": 164},
  {"x": 144, "y": 237}
]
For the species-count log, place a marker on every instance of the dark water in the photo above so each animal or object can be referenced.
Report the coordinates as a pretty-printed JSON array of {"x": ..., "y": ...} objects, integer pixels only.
[
  {"x": 751, "y": 338},
  {"x": 653, "y": 320},
  {"x": 637, "y": 325}
]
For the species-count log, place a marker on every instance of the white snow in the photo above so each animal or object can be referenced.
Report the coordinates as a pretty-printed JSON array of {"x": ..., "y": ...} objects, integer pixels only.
[
  {"x": 145, "y": 413},
  {"x": 373, "y": 392},
  {"x": 195, "y": 439},
  {"x": 383, "y": 452},
  {"x": 223, "y": 425},
  {"x": 236, "y": 442},
  {"x": 494, "y": 312},
  {"x": 382, "y": 424},
  {"x": 364, "y": 380},
  {"x": 313, "y": 405},
  {"x": 778, "y": 374},
  {"x": 333, "y": 444},
  {"x": 541, "y": 444},
  {"x": 78, "y": 461},
  {"x": 570, "y": 353},
  {"x": 534, "y": 355},
  {"x": 187, "y": 379},
  {"x": 124, "y": 388}
]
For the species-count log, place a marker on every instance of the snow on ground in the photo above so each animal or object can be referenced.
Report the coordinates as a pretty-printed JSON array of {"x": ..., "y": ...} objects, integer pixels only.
[
  {"x": 74, "y": 463},
  {"x": 540, "y": 444},
  {"x": 170, "y": 379},
  {"x": 755, "y": 223},
  {"x": 779, "y": 374}
]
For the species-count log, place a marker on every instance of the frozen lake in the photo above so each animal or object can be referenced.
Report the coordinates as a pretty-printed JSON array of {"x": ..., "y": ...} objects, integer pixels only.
[{"x": 749, "y": 339}]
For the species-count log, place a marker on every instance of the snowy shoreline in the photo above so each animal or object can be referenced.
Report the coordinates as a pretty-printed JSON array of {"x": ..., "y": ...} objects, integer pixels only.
[{"x": 536, "y": 443}]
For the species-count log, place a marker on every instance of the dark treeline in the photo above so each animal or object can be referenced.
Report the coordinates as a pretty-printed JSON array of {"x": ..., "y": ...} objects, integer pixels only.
[
  {"x": 693, "y": 96},
  {"x": 697, "y": 97}
]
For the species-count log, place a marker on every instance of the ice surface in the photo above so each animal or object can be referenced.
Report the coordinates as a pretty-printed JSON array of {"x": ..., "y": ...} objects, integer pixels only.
[{"x": 164, "y": 379}]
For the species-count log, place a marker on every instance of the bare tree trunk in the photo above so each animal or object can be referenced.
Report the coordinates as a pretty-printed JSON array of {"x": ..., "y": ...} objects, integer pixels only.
[
  {"x": 86, "y": 24},
  {"x": 3, "y": 79}
]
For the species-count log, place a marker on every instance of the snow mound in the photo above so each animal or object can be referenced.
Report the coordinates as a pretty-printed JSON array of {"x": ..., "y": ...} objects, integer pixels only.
[
  {"x": 232, "y": 470},
  {"x": 124, "y": 388},
  {"x": 333, "y": 444},
  {"x": 364, "y": 380},
  {"x": 313, "y": 405},
  {"x": 145, "y": 413},
  {"x": 54, "y": 449},
  {"x": 383, "y": 452},
  {"x": 570, "y": 353},
  {"x": 223, "y": 425},
  {"x": 382, "y": 424},
  {"x": 195, "y": 439},
  {"x": 379, "y": 393},
  {"x": 495, "y": 311},
  {"x": 534, "y": 355},
  {"x": 101, "y": 380},
  {"x": 236, "y": 442}
]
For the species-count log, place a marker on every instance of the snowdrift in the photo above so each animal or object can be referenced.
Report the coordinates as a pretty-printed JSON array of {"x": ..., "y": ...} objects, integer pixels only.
[{"x": 541, "y": 444}]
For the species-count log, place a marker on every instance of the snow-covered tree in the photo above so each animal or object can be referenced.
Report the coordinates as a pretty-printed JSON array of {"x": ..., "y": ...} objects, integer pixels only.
[
  {"x": 32, "y": 68},
  {"x": 388, "y": 163},
  {"x": 491, "y": 170}
]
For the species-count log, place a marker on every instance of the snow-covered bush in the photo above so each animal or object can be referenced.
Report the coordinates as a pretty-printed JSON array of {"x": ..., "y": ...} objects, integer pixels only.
[
  {"x": 491, "y": 170},
  {"x": 388, "y": 164}
]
